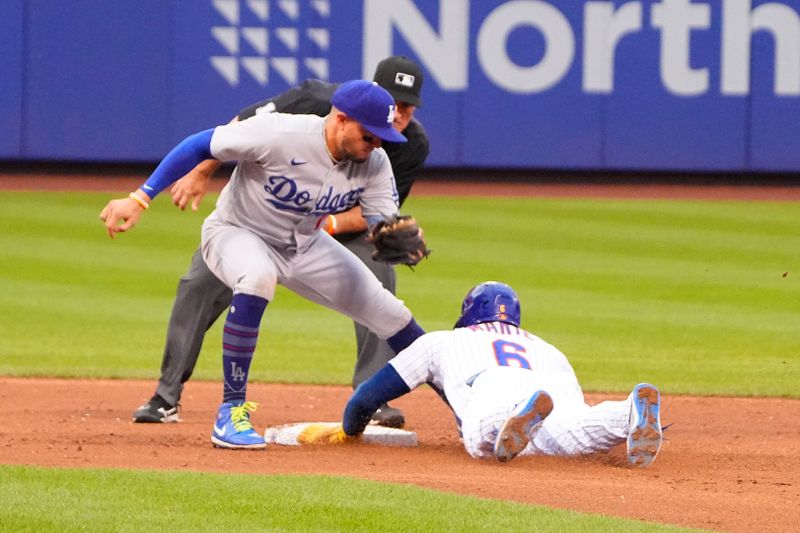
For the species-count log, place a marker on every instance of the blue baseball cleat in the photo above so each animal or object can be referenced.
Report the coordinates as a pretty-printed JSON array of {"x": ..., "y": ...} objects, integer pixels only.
[
  {"x": 233, "y": 428},
  {"x": 645, "y": 433},
  {"x": 515, "y": 434}
]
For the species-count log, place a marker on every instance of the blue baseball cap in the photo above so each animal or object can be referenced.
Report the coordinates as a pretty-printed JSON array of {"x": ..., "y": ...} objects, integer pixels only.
[{"x": 371, "y": 105}]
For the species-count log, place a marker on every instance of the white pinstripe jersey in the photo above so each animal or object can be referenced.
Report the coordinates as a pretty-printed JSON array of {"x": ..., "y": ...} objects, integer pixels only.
[
  {"x": 285, "y": 182},
  {"x": 449, "y": 360}
]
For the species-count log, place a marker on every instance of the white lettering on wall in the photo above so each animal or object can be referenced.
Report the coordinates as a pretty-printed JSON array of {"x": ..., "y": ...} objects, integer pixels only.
[
  {"x": 445, "y": 50},
  {"x": 559, "y": 46},
  {"x": 677, "y": 19},
  {"x": 445, "y": 53},
  {"x": 603, "y": 29},
  {"x": 738, "y": 25}
]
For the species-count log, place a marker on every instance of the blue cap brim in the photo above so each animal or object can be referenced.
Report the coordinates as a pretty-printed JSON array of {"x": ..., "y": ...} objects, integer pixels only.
[{"x": 387, "y": 133}]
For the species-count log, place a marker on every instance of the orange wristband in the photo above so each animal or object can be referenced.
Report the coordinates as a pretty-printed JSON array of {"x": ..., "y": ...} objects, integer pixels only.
[{"x": 331, "y": 224}]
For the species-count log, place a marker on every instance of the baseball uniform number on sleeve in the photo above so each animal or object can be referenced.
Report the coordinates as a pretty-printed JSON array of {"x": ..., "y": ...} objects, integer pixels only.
[{"x": 510, "y": 354}]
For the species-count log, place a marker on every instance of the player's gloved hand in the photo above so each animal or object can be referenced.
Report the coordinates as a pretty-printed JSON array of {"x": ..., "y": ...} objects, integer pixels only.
[
  {"x": 398, "y": 240},
  {"x": 325, "y": 434},
  {"x": 193, "y": 186}
]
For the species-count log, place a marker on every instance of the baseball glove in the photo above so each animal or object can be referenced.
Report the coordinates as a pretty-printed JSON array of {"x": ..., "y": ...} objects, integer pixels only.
[
  {"x": 398, "y": 240},
  {"x": 325, "y": 434}
]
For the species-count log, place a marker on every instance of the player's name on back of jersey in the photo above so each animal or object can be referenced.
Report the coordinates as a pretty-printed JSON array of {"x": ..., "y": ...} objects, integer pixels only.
[{"x": 502, "y": 327}]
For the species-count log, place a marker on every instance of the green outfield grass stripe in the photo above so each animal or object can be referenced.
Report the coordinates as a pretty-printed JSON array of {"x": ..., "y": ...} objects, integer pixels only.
[
  {"x": 36, "y": 499},
  {"x": 700, "y": 297}
]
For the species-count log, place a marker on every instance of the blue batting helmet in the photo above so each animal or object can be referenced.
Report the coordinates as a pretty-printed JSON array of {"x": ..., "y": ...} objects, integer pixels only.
[{"x": 489, "y": 301}]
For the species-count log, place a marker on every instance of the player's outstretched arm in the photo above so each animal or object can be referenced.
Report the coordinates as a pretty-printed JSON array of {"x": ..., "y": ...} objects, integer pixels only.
[
  {"x": 122, "y": 214},
  {"x": 385, "y": 386}
]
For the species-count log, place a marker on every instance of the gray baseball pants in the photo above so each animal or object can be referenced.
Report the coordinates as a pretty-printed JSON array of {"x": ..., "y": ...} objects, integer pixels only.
[{"x": 201, "y": 298}]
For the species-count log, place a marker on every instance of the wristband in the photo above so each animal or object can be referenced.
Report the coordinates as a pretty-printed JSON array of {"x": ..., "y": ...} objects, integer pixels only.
[
  {"x": 139, "y": 200},
  {"x": 331, "y": 224}
]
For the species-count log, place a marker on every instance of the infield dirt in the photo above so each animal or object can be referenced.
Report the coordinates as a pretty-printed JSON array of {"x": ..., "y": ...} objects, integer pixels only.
[{"x": 730, "y": 464}]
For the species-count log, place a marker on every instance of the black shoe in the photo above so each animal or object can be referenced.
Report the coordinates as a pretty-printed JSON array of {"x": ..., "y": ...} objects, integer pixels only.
[
  {"x": 156, "y": 411},
  {"x": 389, "y": 417}
]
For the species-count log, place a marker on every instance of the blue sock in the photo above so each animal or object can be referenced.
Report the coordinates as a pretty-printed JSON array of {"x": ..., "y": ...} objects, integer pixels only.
[
  {"x": 403, "y": 338},
  {"x": 238, "y": 344}
]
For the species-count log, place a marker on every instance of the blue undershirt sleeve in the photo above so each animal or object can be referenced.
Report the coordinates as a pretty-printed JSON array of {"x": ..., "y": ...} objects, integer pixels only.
[
  {"x": 180, "y": 160},
  {"x": 372, "y": 220},
  {"x": 384, "y": 386}
]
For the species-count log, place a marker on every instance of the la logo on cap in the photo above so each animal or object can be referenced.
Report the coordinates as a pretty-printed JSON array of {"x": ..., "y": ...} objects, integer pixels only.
[
  {"x": 406, "y": 80},
  {"x": 390, "y": 118}
]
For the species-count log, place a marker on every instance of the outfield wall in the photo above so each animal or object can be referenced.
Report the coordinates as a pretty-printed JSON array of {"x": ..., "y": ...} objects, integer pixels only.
[{"x": 673, "y": 85}]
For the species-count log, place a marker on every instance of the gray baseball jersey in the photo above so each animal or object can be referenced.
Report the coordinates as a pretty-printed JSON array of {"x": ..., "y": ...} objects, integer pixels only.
[
  {"x": 265, "y": 229},
  {"x": 485, "y": 370},
  {"x": 285, "y": 182}
]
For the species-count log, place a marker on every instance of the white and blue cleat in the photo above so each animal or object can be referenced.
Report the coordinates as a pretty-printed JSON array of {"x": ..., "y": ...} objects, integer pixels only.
[
  {"x": 233, "y": 429},
  {"x": 518, "y": 428},
  {"x": 645, "y": 433}
]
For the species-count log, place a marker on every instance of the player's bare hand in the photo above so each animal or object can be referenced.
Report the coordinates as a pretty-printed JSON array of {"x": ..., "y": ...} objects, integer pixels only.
[
  {"x": 120, "y": 215},
  {"x": 193, "y": 186},
  {"x": 190, "y": 188}
]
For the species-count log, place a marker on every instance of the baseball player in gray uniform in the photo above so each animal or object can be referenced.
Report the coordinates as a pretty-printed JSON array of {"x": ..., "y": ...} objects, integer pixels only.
[
  {"x": 292, "y": 172},
  {"x": 511, "y": 392},
  {"x": 201, "y": 297}
]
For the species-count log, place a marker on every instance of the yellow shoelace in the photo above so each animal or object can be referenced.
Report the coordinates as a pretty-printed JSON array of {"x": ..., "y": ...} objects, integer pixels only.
[{"x": 240, "y": 416}]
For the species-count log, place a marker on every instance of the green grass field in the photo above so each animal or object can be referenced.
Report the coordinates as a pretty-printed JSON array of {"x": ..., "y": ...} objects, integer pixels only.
[
  {"x": 697, "y": 297},
  {"x": 103, "y": 500},
  {"x": 690, "y": 295}
]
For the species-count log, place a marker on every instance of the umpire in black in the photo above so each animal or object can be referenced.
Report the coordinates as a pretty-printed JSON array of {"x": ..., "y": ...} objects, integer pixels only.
[{"x": 201, "y": 297}]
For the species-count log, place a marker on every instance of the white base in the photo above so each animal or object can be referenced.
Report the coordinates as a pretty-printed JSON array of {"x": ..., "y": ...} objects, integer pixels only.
[{"x": 286, "y": 435}]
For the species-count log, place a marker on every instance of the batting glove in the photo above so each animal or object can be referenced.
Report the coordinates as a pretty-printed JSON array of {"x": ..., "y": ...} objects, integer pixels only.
[{"x": 325, "y": 434}]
